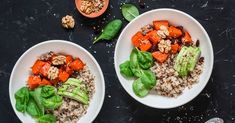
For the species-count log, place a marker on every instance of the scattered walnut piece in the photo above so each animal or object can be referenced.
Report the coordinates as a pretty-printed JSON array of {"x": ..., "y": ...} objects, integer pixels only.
[
  {"x": 163, "y": 32},
  {"x": 68, "y": 22},
  {"x": 52, "y": 73},
  {"x": 164, "y": 46},
  {"x": 58, "y": 60}
]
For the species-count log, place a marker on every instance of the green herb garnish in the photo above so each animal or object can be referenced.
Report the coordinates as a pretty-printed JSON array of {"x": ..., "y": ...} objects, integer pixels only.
[
  {"x": 129, "y": 11},
  {"x": 110, "y": 30}
]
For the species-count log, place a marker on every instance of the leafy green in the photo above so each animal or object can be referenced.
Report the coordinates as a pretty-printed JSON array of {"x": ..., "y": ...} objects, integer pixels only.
[
  {"x": 134, "y": 65},
  {"x": 48, "y": 118},
  {"x": 129, "y": 11},
  {"x": 48, "y": 91},
  {"x": 110, "y": 30},
  {"x": 148, "y": 79},
  {"x": 36, "y": 94},
  {"x": 52, "y": 102},
  {"x": 22, "y": 98},
  {"x": 125, "y": 69},
  {"x": 145, "y": 59},
  {"x": 32, "y": 108},
  {"x": 140, "y": 60},
  {"x": 139, "y": 65},
  {"x": 139, "y": 88},
  {"x": 34, "y": 102}
]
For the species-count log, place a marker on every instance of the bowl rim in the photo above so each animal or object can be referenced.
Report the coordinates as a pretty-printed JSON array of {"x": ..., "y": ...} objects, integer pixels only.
[
  {"x": 66, "y": 42},
  {"x": 197, "y": 23}
]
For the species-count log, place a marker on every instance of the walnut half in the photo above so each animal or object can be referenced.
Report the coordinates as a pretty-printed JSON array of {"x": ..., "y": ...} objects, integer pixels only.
[
  {"x": 68, "y": 22},
  {"x": 58, "y": 60},
  {"x": 52, "y": 73},
  {"x": 164, "y": 46}
]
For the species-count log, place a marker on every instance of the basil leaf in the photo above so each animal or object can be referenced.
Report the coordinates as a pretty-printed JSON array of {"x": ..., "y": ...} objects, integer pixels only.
[
  {"x": 48, "y": 118},
  {"x": 134, "y": 65},
  {"x": 48, "y": 91},
  {"x": 52, "y": 102},
  {"x": 22, "y": 98},
  {"x": 129, "y": 11},
  {"x": 139, "y": 88},
  {"x": 145, "y": 59},
  {"x": 110, "y": 30},
  {"x": 148, "y": 78},
  {"x": 125, "y": 69},
  {"x": 139, "y": 65},
  {"x": 32, "y": 108},
  {"x": 36, "y": 94}
]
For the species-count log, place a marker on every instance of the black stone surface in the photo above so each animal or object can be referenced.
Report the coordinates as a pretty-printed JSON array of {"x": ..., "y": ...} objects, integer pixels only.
[{"x": 24, "y": 23}]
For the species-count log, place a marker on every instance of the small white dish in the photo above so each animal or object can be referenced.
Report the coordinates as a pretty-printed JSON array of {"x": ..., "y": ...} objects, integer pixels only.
[
  {"x": 22, "y": 69},
  {"x": 175, "y": 17}
]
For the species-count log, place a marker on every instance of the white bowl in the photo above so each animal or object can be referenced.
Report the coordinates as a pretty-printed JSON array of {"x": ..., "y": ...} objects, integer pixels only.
[
  {"x": 123, "y": 49},
  {"x": 22, "y": 67}
]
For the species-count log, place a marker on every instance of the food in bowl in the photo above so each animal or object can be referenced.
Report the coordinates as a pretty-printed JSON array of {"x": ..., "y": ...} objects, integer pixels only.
[
  {"x": 58, "y": 89},
  {"x": 91, "y": 6},
  {"x": 164, "y": 58}
]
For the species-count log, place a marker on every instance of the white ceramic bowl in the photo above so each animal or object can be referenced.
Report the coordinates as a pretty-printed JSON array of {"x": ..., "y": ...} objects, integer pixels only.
[
  {"x": 175, "y": 17},
  {"x": 22, "y": 67}
]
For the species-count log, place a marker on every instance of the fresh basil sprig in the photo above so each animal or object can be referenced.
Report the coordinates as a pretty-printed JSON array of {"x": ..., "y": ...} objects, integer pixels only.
[
  {"x": 129, "y": 11},
  {"x": 34, "y": 102},
  {"x": 138, "y": 67},
  {"x": 110, "y": 30},
  {"x": 22, "y": 98}
]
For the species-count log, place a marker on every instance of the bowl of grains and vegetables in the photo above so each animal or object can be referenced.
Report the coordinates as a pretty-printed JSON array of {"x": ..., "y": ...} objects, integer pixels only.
[
  {"x": 92, "y": 8},
  {"x": 163, "y": 58},
  {"x": 57, "y": 82}
]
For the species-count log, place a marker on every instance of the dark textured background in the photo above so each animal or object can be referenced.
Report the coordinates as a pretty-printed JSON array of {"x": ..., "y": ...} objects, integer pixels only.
[{"x": 24, "y": 23}]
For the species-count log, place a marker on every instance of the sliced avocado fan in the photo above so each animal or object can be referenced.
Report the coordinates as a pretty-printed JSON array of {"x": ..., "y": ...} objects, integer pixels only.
[
  {"x": 187, "y": 60},
  {"x": 74, "y": 89}
]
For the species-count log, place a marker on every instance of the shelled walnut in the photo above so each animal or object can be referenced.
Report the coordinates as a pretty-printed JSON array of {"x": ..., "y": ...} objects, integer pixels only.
[
  {"x": 68, "y": 22},
  {"x": 58, "y": 60},
  {"x": 164, "y": 46},
  {"x": 163, "y": 32},
  {"x": 52, "y": 73}
]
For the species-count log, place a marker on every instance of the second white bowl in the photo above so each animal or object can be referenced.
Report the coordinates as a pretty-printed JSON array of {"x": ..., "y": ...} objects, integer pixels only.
[{"x": 175, "y": 17}]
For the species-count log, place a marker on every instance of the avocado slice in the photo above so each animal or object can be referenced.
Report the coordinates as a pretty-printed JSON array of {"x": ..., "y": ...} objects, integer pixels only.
[
  {"x": 74, "y": 96},
  {"x": 183, "y": 68},
  {"x": 180, "y": 58},
  {"x": 187, "y": 60},
  {"x": 193, "y": 57},
  {"x": 81, "y": 93},
  {"x": 74, "y": 89}
]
